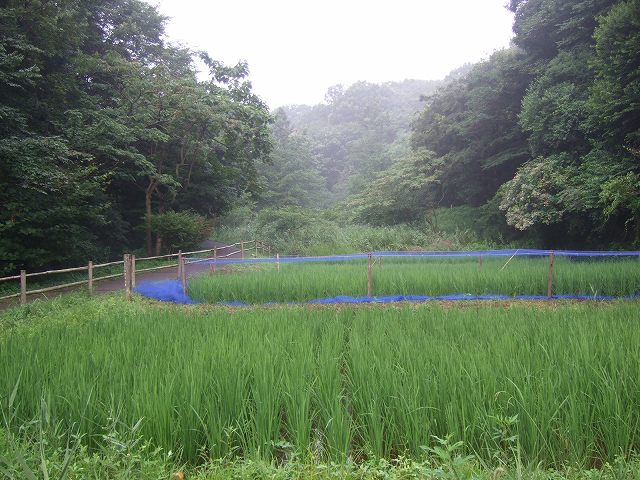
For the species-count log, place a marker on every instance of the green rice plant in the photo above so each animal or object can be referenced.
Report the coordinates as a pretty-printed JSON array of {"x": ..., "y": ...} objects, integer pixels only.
[
  {"x": 519, "y": 385},
  {"x": 298, "y": 383},
  {"x": 299, "y": 282},
  {"x": 334, "y": 427}
]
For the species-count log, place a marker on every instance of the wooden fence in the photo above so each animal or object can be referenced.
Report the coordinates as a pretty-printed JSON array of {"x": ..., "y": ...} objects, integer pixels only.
[{"x": 129, "y": 269}]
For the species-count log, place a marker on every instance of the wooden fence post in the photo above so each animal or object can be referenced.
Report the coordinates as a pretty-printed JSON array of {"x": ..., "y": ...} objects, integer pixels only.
[
  {"x": 256, "y": 248},
  {"x": 133, "y": 272},
  {"x": 179, "y": 263},
  {"x": 269, "y": 251},
  {"x": 369, "y": 282},
  {"x": 550, "y": 278},
  {"x": 23, "y": 287},
  {"x": 90, "y": 277},
  {"x": 215, "y": 259},
  {"x": 241, "y": 250},
  {"x": 183, "y": 275},
  {"x": 262, "y": 243},
  {"x": 127, "y": 276},
  {"x": 278, "y": 262}
]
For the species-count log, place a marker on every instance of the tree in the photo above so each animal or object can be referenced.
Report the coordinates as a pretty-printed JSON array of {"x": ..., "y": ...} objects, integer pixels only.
[
  {"x": 293, "y": 177},
  {"x": 472, "y": 125},
  {"x": 53, "y": 205},
  {"x": 615, "y": 96},
  {"x": 355, "y": 134},
  {"x": 402, "y": 193},
  {"x": 90, "y": 90},
  {"x": 545, "y": 27},
  {"x": 555, "y": 107}
]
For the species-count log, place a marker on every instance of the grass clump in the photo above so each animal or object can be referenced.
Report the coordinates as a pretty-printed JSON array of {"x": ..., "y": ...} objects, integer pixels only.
[{"x": 300, "y": 231}]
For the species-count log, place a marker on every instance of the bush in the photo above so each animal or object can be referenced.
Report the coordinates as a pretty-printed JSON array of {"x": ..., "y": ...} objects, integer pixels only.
[
  {"x": 295, "y": 230},
  {"x": 181, "y": 230},
  {"x": 300, "y": 231}
]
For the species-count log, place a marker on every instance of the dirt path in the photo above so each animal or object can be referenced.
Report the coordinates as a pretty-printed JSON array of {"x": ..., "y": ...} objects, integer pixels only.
[{"x": 115, "y": 284}]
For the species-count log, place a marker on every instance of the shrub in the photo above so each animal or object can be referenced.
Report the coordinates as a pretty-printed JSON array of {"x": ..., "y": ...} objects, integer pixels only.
[{"x": 181, "y": 230}]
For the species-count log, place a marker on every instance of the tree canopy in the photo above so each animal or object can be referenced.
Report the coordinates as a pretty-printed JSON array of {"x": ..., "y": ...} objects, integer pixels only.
[{"x": 105, "y": 124}]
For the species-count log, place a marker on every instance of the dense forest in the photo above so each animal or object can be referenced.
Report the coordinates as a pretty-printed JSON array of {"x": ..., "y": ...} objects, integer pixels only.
[
  {"x": 107, "y": 131},
  {"x": 111, "y": 139}
]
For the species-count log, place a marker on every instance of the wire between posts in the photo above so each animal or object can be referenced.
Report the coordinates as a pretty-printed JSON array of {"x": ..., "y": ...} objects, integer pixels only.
[{"x": 480, "y": 254}]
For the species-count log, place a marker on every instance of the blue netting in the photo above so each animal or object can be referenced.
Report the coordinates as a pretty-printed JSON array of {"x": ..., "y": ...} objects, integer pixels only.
[
  {"x": 165, "y": 291},
  {"x": 171, "y": 291},
  {"x": 457, "y": 297},
  {"x": 520, "y": 252}
]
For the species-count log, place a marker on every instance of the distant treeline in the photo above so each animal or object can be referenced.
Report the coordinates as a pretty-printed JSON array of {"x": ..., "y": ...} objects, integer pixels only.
[
  {"x": 104, "y": 126},
  {"x": 542, "y": 138}
]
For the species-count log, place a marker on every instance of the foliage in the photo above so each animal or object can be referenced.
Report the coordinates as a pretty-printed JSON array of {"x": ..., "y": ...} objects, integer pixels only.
[
  {"x": 298, "y": 231},
  {"x": 471, "y": 126},
  {"x": 543, "y": 28},
  {"x": 616, "y": 91},
  {"x": 397, "y": 193},
  {"x": 180, "y": 230},
  {"x": 356, "y": 132},
  {"x": 535, "y": 194},
  {"x": 293, "y": 176},
  {"x": 294, "y": 230},
  {"x": 53, "y": 205},
  {"x": 554, "y": 108},
  {"x": 546, "y": 128},
  {"x": 101, "y": 114}
]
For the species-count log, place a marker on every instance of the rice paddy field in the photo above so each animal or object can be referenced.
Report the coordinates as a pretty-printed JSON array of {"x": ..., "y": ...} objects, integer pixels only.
[
  {"x": 542, "y": 384},
  {"x": 299, "y": 282}
]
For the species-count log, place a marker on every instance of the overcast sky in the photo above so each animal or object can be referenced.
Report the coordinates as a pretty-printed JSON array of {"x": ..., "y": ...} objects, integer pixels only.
[{"x": 296, "y": 49}]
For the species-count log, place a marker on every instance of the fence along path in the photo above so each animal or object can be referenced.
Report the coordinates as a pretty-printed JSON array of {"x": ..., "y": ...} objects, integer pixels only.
[{"x": 126, "y": 278}]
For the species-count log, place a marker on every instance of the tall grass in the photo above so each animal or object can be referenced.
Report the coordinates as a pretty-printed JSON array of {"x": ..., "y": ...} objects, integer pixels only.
[
  {"x": 416, "y": 276},
  {"x": 551, "y": 385},
  {"x": 299, "y": 231}
]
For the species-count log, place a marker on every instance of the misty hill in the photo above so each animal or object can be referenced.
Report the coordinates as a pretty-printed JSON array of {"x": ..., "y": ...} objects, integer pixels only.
[{"x": 361, "y": 129}]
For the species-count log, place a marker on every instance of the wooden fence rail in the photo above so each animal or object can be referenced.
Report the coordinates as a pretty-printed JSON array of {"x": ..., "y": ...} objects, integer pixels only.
[{"x": 129, "y": 270}]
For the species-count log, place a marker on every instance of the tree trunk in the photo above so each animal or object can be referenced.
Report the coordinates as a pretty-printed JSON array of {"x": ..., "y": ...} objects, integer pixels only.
[{"x": 147, "y": 203}]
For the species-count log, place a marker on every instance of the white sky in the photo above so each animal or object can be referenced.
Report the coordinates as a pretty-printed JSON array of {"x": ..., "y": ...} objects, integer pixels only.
[{"x": 296, "y": 49}]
